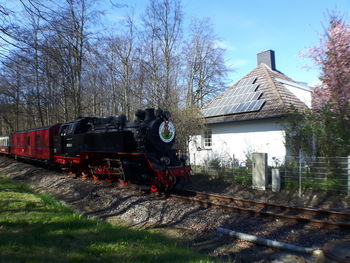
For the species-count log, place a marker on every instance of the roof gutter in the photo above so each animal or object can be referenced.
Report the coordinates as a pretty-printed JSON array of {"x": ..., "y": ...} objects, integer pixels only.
[{"x": 208, "y": 121}]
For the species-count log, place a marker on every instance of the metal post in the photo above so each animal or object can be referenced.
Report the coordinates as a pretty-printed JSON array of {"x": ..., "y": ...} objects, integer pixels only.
[
  {"x": 194, "y": 162},
  {"x": 285, "y": 169},
  {"x": 233, "y": 165},
  {"x": 300, "y": 173},
  {"x": 276, "y": 180},
  {"x": 348, "y": 175}
]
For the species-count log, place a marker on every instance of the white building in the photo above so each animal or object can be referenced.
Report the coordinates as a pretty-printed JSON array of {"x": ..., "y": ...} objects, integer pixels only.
[{"x": 248, "y": 116}]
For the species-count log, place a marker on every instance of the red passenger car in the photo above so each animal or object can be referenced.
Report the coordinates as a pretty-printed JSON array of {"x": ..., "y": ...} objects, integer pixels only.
[{"x": 35, "y": 143}]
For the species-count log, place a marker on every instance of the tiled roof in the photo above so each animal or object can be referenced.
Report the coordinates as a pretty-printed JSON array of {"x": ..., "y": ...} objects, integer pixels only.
[{"x": 278, "y": 98}]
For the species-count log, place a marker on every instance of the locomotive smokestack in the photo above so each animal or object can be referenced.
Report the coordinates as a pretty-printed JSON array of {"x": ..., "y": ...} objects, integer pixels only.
[
  {"x": 149, "y": 114},
  {"x": 140, "y": 115}
]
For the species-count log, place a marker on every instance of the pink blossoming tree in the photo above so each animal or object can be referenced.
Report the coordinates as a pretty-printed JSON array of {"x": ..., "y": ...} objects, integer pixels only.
[
  {"x": 325, "y": 130},
  {"x": 333, "y": 57}
]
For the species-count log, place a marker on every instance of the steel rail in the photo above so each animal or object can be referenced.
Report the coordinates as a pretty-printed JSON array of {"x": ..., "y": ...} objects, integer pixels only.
[{"x": 328, "y": 218}]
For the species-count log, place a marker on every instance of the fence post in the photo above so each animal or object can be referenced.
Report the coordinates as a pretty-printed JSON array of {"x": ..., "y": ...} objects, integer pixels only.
[
  {"x": 276, "y": 180},
  {"x": 301, "y": 158},
  {"x": 233, "y": 165},
  {"x": 299, "y": 175},
  {"x": 349, "y": 175},
  {"x": 285, "y": 170},
  {"x": 260, "y": 171},
  {"x": 194, "y": 162}
]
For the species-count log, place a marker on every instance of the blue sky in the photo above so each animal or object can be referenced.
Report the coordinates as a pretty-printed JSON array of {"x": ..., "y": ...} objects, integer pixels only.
[{"x": 250, "y": 26}]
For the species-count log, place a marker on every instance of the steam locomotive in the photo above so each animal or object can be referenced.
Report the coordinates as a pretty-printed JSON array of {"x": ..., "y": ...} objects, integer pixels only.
[{"x": 109, "y": 148}]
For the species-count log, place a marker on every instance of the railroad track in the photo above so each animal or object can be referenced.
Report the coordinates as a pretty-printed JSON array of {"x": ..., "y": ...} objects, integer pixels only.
[
  {"x": 312, "y": 216},
  {"x": 325, "y": 218}
]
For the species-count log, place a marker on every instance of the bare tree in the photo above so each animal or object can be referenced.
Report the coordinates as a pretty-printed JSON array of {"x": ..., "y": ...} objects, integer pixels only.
[
  {"x": 69, "y": 26},
  {"x": 54, "y": 70},
  {"x": 13, "y": 94},
  {"x": 162, "y": 23},
  {"x": 123, "y": 49},
  {"x": 188, "y": 122},
  {"x": 205, "y": 65}
]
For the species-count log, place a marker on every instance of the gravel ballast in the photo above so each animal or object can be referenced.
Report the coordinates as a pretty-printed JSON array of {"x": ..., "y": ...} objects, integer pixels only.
[{"x": 196, "y": 226}]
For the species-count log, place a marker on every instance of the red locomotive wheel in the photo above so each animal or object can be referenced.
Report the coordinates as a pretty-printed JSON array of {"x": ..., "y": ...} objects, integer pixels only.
[
  {"x": 124, "y": 183},
  {"x": 154, "y": 188},
  {"x": 85, "y": 175},
  {"x": 110, "y": 179},
  {"x": 71, "y": 174}
]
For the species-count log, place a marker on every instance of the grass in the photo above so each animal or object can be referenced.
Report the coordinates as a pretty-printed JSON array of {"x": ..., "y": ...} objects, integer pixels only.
[
  {"x": 242, "y": 176},
  {"x": 37, "y": 228}
]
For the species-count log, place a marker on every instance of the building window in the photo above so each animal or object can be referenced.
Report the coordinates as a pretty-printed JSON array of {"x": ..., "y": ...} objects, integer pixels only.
[{"x": 207, "y": 139}]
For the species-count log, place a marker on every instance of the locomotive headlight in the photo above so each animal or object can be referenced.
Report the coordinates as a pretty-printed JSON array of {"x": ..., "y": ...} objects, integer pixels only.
[{"x": 165, "y": 160}]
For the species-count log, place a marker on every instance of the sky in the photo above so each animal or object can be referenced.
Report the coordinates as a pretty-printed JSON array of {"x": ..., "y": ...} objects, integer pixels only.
[{"x": 247, "y": 27}]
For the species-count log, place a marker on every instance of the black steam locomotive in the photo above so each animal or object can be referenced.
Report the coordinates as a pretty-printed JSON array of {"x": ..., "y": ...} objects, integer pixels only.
[{"x": 110, "y": 148}]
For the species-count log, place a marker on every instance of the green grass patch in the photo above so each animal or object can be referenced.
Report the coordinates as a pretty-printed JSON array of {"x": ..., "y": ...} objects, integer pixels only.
[
  {"x": 37, "y": 228},
  {"x": 242, "y": 176}
]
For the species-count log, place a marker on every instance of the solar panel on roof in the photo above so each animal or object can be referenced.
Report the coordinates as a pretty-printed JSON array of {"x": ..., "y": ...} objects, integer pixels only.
[
  {"x": 209, "y": 112},
  {"x": 226, "y": 108},
  {"x": 230, "y": 100},
  {"x": 234, "y": 108},
  {"x": 244, "y": 107},
  {"x": 215, "y": 103},
  {"x": 244, "y": 98},
  {"x": 247, "y": 81},
  {"x": 250, "y": 106},
  {"x": 258, "y": 105},
  {"x": 232, "y": 92},
  {"x": 217, "y": 111},
  {"x": 240, "y": 107},
  {"x": 254, "y": 87},
  {"x": 256, "y": 95}
]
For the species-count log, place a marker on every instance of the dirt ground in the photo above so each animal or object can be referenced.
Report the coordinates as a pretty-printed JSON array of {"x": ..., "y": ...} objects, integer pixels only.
[{"x": 195, "y": 226}]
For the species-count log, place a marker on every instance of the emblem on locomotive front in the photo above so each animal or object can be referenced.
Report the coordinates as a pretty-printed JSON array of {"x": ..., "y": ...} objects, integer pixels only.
[{"x": 166, "y": 131}]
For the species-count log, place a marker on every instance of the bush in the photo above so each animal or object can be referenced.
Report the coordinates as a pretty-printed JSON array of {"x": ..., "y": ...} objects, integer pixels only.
[{"x": 215, "y": 163}]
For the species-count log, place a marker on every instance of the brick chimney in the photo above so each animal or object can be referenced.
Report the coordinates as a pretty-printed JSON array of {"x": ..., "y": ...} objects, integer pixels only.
[{"x": 268, "y": 58}]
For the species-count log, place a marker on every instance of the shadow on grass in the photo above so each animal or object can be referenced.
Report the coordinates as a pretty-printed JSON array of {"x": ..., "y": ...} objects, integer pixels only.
[
  {"x": 85, "y": 241},
  {"x": 51, "y": 232}
]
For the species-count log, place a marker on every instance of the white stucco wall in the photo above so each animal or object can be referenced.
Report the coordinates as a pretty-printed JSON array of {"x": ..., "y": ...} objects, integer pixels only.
[
  {"x": 301, "y": 91},
  {"x": 239, "y": 139},
  {"x": 301, "y": 94}
]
